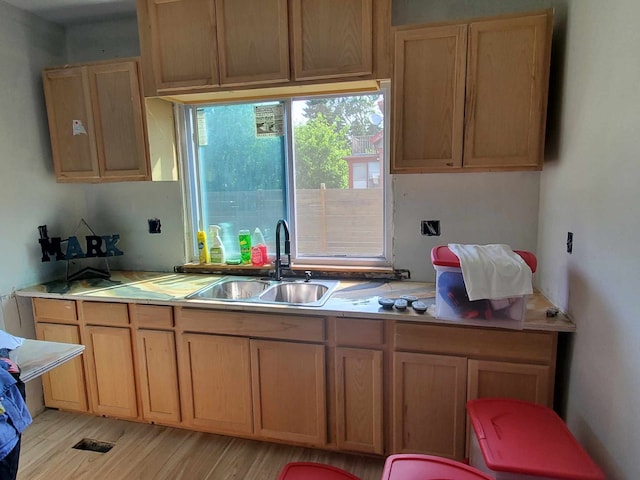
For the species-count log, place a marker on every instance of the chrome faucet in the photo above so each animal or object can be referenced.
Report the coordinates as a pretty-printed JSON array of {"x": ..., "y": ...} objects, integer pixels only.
[{"x": 287, "y": 249}]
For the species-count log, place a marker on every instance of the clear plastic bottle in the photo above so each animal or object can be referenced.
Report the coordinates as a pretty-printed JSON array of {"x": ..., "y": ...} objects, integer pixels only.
[
  {"x": 244, "y": 240},
  {"x": 216, "y": 251},
  {"x": 258, "y": 248}
]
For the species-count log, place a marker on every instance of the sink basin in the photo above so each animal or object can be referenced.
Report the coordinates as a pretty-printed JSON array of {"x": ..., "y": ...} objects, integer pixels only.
[
  {"x": 313, "y": 293},
  {"x": 231, "y": 289},
  {"x": 304, "y": 292}
]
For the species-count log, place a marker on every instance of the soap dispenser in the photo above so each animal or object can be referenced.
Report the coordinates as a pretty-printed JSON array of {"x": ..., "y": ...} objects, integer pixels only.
[
  {"x": 216, "y": 253},
  {"x": 258, "y": 249}
]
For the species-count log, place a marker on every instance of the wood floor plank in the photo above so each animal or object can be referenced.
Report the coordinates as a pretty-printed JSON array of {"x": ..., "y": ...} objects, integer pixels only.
[{"x": 152, "y": 452}]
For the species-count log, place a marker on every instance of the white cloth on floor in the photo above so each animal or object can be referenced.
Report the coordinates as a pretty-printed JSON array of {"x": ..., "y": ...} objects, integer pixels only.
[{"x": 493, "y": 271}]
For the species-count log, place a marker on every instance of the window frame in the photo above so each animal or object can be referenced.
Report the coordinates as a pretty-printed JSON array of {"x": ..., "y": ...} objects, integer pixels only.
[{"x": 186, "y": 129}]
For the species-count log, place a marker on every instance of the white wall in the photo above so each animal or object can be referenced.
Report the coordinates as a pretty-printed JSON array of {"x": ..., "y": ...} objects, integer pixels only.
[
  {"x": 29, "y": 195},
  {"x": 472, "y": 208},
  {"x": 125, "y": 207},
  {"x": 591, "y": 189}
]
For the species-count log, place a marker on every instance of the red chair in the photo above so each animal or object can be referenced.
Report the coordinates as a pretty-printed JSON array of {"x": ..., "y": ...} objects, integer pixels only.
[{"x": 313, "y": 471}]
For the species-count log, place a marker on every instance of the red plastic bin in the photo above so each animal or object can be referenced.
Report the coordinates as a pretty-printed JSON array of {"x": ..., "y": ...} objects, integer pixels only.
[
  {"x": 313, "y": 471},
  {"x": 513, "y": 440},
  {"x": 407, "y": 466},
  {"x": 444, "y": 257}
]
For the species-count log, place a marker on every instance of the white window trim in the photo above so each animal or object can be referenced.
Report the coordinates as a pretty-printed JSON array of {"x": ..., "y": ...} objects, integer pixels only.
[{"x": 192, "y": 203}]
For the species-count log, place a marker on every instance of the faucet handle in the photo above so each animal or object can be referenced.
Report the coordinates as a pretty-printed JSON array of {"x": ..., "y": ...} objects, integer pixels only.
[{"x": 307, "y": 275}]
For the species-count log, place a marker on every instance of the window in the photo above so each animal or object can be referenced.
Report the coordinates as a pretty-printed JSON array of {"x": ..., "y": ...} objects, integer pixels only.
[{"x": 318, "y": 162}]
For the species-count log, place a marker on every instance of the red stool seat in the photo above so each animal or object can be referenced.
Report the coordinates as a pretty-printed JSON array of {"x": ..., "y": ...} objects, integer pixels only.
[
  {"x": 405, "y": 466},
  {"x": 313, "y": 471}
]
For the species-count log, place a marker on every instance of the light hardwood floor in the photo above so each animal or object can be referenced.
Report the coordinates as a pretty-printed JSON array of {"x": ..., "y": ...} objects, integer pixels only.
[{"x": 153, "y": 452}]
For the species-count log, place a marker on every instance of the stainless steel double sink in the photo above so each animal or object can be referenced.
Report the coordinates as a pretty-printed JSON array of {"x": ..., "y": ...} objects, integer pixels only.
[{"x": 309, "y": 293}]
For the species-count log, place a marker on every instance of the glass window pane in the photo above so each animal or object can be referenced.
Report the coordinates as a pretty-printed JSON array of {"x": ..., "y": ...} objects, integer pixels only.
[
  {"x": 241, "y": 170},
  {"x": 359, "y": 175},
  {"x": 330, "y": 137}
]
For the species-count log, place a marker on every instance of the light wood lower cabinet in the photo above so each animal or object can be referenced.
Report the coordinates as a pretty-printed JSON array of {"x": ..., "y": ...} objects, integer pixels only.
[
  {"x": 386, "y": 386},
  {"x": 359, "y": 398},
  {"x": 429, "y": 395},
  {"x": 64, "y": 387},
  {"x": 215, "y": 379},
  {"x": 111, "y": 378},
  {"x": 289, "y": 391},
  {"x": 521, "y": 381},
  {"x": 158, "y": 376}
]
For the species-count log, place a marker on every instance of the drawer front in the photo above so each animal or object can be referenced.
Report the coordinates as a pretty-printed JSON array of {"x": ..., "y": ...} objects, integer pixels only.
[
  {"x": 357, "y": 332},
  {"x": 99, "y": 313},
  {"x": 286, "y": 327},
  {"x": 519, "y": 346},
  {"x": 153, "y": 316},
  {"x": 55, "y": 311}
]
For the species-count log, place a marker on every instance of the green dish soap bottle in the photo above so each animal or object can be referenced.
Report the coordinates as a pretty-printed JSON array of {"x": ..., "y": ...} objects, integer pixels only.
[
  {"x": 244, "y": 240},
  {"x": 216, "y": 251}
]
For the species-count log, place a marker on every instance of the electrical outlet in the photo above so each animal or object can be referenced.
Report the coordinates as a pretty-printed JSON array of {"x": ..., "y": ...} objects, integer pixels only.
[
  {"x": 154, "y": 225},
  {"x": 431, "y": 228},
  {"x": 569, "y": 242}
]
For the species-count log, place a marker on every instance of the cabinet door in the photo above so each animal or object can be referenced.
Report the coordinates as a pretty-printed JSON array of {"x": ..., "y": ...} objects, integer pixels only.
[
  {"x": 507, "y": 83},
  {"x": 158, "y": 374},
  {"x": 118, "y": 117},
  {"x": 428, "y": 94},
  {"x": 429, "y": 394},
  {"x": 110, "y": 369},
  {"x": 359, "y": 400},
  {"x": 253, "y": 41},
  {"x": 215, "y": 379},
  {"x": 332, "y": 38},
  {"x": 289, "y": 391},
  {"x": 71, "y": 128},
  {"x": 64, "y": 386},
  {"x": 531, "y": 383},
  {"x": 181, "y": 42}
]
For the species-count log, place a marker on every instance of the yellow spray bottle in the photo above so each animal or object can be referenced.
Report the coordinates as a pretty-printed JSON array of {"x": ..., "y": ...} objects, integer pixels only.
[{"x": 203, "y": 249}]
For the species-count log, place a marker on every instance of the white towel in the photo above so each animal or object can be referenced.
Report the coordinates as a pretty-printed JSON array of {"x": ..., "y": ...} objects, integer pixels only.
[{"x": 493, "y": 271}]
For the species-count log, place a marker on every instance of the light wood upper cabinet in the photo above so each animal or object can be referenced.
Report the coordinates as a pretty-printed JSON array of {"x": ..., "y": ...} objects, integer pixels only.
[
  {"x": 428, "y": 97},
  {"x": 211, "y": 45},
  {"x": 73, "y": 143},
  {"x": 471, "y": 96},
  {"x": 178, "y": 44},
  {"x": 96, "y": 122},
  {"x": 118, "y": 117},
  {"x": 332, "y": 38},
  {"x": 253, "y": 41},
  {"x": 507, "y": 84}
]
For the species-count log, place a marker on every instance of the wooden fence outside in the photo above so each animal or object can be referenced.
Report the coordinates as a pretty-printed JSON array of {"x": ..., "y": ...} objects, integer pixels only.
[{"x": 329, "y": 221}]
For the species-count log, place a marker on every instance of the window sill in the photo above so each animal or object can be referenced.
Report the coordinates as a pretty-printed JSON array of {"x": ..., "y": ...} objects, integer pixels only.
[{"x": 336, "y": 271}]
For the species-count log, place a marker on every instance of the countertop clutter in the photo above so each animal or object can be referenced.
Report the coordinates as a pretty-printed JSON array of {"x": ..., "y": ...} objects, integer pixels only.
[{"x": 352, "y": 298}]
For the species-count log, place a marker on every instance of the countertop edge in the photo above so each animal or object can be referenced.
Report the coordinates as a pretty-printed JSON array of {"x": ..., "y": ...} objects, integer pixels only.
[{"x": 339, "y": 306}]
